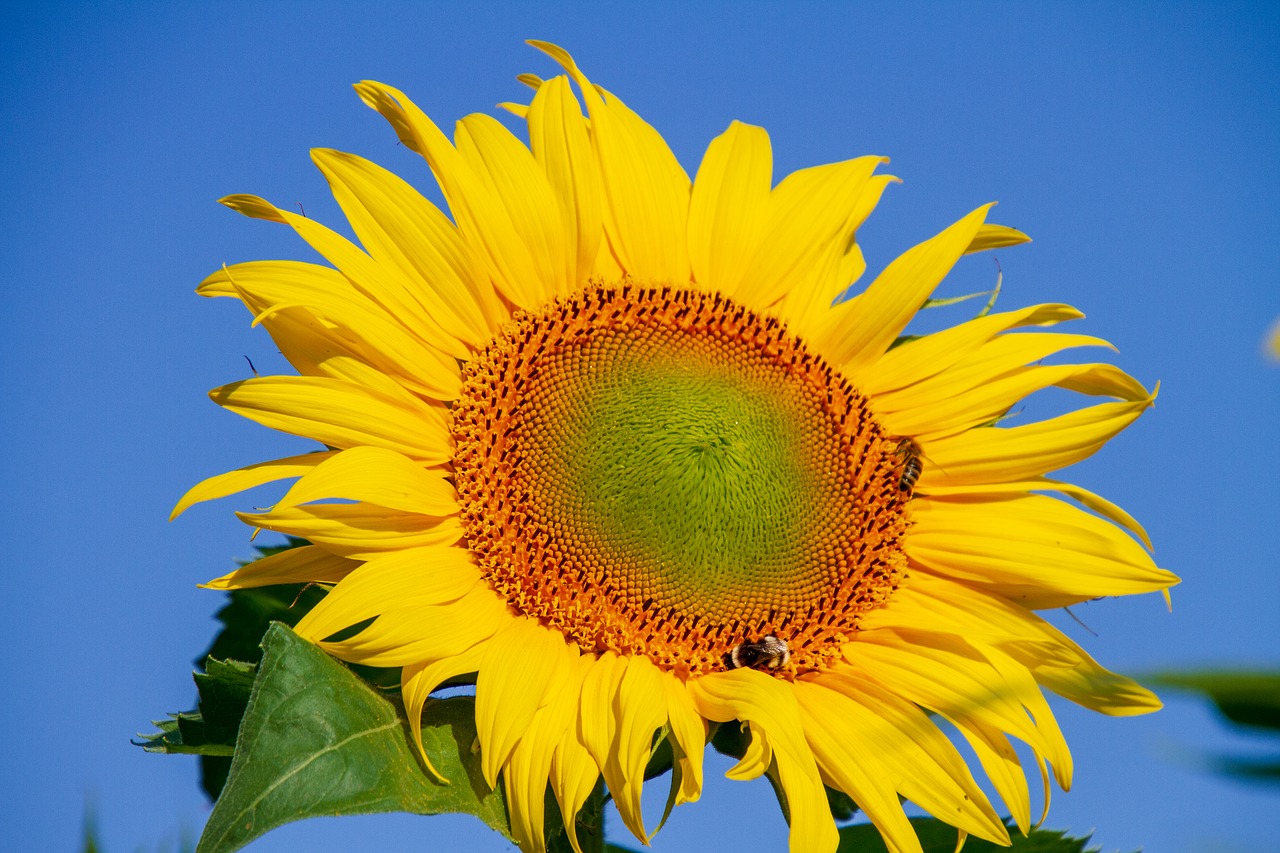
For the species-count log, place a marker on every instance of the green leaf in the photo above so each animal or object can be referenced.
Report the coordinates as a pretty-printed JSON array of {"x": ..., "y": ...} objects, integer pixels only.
[
  {"x": 210, "y": 730},
  {"x": 938, "y": 837},
  {"x": 1247, "y": 697},
  {"x": 317, "y": 740}
]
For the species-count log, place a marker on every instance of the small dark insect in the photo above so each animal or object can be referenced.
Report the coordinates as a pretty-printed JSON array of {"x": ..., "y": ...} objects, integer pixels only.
[
  {"x": 911, "y": 455},
  {"x": 769, "y": 653}
]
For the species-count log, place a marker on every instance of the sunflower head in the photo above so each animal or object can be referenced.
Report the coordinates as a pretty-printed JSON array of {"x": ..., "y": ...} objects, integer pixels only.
[
  {"x": 663, "y": 472},
  {"x": 614, "y": 442}
]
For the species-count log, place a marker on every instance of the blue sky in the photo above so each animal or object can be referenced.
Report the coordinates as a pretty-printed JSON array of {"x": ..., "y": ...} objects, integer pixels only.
[{"x": 1137, "y": 145}]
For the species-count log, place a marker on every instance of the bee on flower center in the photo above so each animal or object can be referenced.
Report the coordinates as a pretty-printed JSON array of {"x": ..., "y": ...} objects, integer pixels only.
[
  {"x": 912, "y": 465},
  {"x": 768, "y": 653}
]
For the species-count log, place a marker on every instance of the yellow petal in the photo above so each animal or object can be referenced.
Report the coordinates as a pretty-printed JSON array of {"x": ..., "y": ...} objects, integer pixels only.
[
  {"x": 350, "y": 323},
  {"x": 926, "y": 356},
  {"x": 987, "y": 362},
  {"x": 415, "y": 635},
  {"x": 850, "y": 768},
  {"x": 416, "y": 577},
  {"x": 808, "y": 306},
  {"x": 560, "y": 143},
  {"x": 937, "y": 603},
  {"x": 729, "y": 205},
  {"x": 931, "y": 413},
  {"x": 1000, "y": 761},
  {"x": 1031, "y": 548},
  {"x": 418, "y": 680},
  {"x": 1058, "y": 663},
  {"x": 400, "y": 227},
  {"x": 360, "y": 531},
  {"x": 529, "y": 767},
  {"x": 756, "y": 758},
  {"x": 341, "y": 414},
  {"x": 623, "y": 704},
  {"x": 689, "y": 738},
  {"x": 926, "y": 768},
  {"x": 317, "y": 348},
  {"x": 527, "y": 199},
  {"x": 992, "y": 236},
  {"x": 809, "y": 218},
  {"x": 525, "y": 665},
  {"x": 1087, "y": 683},
  {"x": 770, "y": 704},
  {"x": 379, "y": 476},
  {"x": 305, "y": 564},
  {"x": 247, "y": 478},
  {"x": 574, "y": 772},
  {"x": 963, "y": 681},
  {"x": 480, "y": 213},
  {"x": 646, "y": 191},
  {"x": 597, "y": 722},
  {"x": 381, "y": 283},
  {"x": 643, "y": 710},
  {"x": 876, "y": 317},
  {"x": 1086, "y": 498},
  {"x": 1000, "y": 454}
]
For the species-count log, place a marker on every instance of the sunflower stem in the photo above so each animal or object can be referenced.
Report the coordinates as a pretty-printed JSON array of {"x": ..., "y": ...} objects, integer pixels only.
[{"x": 591, "y": 821}]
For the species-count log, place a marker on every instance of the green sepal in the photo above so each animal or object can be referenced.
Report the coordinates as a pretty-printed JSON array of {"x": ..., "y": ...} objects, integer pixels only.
[
  {"x": 210, "y": 730},
  {"x": 938, "y": 837},
  {"x": 943, "y": 301},
  {"x": 843, "y": 808},
  {"x": 224, "y": 689},
  {"x": 317, "y": 740}
]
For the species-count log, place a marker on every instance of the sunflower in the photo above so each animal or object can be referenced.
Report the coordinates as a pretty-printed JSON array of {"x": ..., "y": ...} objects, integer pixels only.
[{"x": 615, "y": 442}]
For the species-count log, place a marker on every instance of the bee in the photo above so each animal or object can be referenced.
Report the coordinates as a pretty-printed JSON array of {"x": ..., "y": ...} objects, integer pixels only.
[
  {"x": 911, "y": 454},
  {"x": 769, "y": 653}
]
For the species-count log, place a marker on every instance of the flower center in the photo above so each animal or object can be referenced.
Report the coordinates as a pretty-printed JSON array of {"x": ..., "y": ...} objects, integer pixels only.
[{"x": 660, "y": 471}]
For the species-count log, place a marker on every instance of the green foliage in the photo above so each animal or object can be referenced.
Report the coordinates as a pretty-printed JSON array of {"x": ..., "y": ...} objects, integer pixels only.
[
  {"x": 938, "y": 837},
  {"x": 1248, "y": 698},
  {"x": 317, "y": 740},
  {"x": 210, "y": 730},
  {"x": 198, "y": 733}
]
